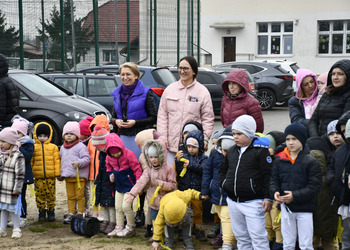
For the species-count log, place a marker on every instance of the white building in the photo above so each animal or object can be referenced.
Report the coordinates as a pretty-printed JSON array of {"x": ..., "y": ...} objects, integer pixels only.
[{"x": 313, "y": 33}]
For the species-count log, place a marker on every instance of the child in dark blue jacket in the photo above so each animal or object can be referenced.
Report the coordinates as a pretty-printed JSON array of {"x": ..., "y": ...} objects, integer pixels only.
[{"x": 211, "y": 186}]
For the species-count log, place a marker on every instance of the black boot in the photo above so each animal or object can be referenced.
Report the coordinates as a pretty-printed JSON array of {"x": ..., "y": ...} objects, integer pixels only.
[
  {"x": 42, "y": 214},
  {"x": 149, "y": 231},
  {"x": 140, "y": 218},
  {"x": 51, "y": 214}
]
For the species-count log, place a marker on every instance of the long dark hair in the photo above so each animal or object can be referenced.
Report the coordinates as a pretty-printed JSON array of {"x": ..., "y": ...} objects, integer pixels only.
[{"x": 193, "y": 63}]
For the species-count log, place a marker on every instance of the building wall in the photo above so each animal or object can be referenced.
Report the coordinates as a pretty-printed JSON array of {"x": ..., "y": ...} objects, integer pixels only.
[{"x": 304, "y": 15}]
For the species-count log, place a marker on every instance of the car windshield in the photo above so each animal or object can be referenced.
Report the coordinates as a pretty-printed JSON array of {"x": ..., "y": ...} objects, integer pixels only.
[
  {"x": 163, "y": 76},
  {"x": 37, "y": 85}
]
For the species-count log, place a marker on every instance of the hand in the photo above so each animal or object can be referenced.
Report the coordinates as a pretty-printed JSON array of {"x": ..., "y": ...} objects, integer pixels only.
[
  {"x": 18, "y": 143},
  {"x": 59, "y": 178},
  {"x": 16, "y": 192},
  {"x": 75, "y": 164},
  {"x": 127, "y": 124},
  {"x": 155, "y": 245},
  {"x": 205, "y": 145},
  {"x": 277, "y": 197},
  {"x": 288, "y": 198},
  {"x": 179, "y": 155},
  {"x": 129, "y": 198},
  {"x": 160, "y": 183},
  {"x": 205, "y": 197},
  {"x": 267, "y": 206},
  {"x": 166, "y": 143},
  {"x": 349, "y": 181},
  {"x": 111, "y": 178},
  {"x": 186, "y": 163}
]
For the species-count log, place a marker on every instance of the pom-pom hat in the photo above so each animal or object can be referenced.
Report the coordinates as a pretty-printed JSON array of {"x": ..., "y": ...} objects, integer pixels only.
[{"x": 98, "y": 137}]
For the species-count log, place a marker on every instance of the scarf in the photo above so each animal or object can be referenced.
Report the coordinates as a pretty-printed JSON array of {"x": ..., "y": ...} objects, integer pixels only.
[
  {"x": 126, "y": 92},
  {"x": 25, "y": 139},
  {"x": 69, "y": 145}
]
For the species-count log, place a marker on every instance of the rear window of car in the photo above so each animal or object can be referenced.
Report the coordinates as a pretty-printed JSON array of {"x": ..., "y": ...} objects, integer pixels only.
[
  {"x": 294, "y": 67},
  {"x": 72, "y": 84},
  {"x": 279, "y": 68},
  {"x": 163, "y": 76},
  {"x": 100, "y": 86}
]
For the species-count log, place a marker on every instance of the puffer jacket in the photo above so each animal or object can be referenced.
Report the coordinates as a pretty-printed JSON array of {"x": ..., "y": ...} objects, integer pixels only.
[
  {"x": 78, "y": 153},
  {"x": 27, "y": 149},
  {"x": 193, "y": 177},
  {"x": 243, "y": 104},
  {"x": 9, "y": 95},
  {"x": 332, "y": 105},
  {"x": 246, "y": 177},
  {"x": 126, "y": 168},
  {"x": 46, "y": 161},
  {"x": 179, "y": 105},
  {"x": 296, "y": 104},
  {"x": 104, "y": 187},
  {"x": 164, "y": 172},
  {"x": 303, "y": 178},
  {"x": 101, "y": 120}
]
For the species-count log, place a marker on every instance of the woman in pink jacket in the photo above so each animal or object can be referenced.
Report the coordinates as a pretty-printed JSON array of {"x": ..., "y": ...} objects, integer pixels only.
[{"x": 183, "y": 101}]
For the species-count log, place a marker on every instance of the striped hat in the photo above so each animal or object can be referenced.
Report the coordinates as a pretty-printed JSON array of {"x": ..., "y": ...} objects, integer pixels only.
[{"x": 98, "y": 137}]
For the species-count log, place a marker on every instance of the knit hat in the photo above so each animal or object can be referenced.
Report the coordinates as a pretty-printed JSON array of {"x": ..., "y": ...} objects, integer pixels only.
[
  {"x": 113, "y": 150},
  {"x": 245, "y": 124},
  {"x": 218, "y": 133},
  {"x": 332, "y": 127},
  {"x": 174, "y": 210},
  {"x": 71, "y": 127},
  {"x": 272, "y": 141},
  {"x": 347, "y": 129},
  {"x": 298, "y": 130},
  {"x": 9, "y": 135},
  {"x": 192, "y": 141},
  {"x": 98, "y": 137},
  {"x": 21, "y": 124},
  {"x": 227, "y": 143},
  {"x": 152, "y": 151},
  {"x": 323, "y": 78},
  {"x": 84, "y": 125},
  {"x": 43, "y": 129},
  {"x": 189, "y": 128}
]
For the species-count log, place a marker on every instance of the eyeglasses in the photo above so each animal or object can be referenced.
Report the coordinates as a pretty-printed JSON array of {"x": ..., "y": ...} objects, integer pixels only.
[{"x": 184, "y": 69}]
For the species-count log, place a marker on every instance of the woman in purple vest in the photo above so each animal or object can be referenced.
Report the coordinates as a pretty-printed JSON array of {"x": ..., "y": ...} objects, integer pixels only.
[{"x": 134, "y": 108}]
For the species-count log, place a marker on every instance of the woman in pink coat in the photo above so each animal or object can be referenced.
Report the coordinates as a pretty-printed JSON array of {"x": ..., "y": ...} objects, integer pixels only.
[{"x": 183, "y": 101}]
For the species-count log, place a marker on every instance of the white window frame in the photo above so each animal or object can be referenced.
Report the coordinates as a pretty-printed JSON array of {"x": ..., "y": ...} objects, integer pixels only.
[
  {"x": 109, "y": 52},
  {"x": 345, "y": 32},
  {"x": 271, "y": 34}
]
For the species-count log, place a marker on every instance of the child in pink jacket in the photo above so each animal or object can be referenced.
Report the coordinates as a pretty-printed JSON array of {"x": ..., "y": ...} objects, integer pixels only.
[
  {"x": 159, "y": 173},
  {"x": 124, "y": 170}
]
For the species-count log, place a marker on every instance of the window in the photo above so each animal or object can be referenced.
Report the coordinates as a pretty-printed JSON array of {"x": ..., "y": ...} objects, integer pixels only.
[
  {"x": 334, "y": 37},
  {"x": 109, "y": 56},
  {"x": 275, "y": 38}
]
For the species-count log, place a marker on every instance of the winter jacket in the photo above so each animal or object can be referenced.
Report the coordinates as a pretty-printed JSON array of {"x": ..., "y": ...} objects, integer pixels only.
[
  {"x": 104, "y": 187},
  {"x": 11, "y": 176},
  {"x": 332, "y": 105},
  {"x": 126, "y": 168},
  {"x": 159, "y": 223},
  {"x": 303, "y": 178},
  {"x": 246, "y": 177},
  {"x": 27, "y": 149},
  {"x": 164, "y": 172},
  {"x": 179, "y": 105},
  {"x": 244, "y": 103},
  {"x": 9, "y": 95},
  {"x": 101, "y": 120},
  {"x": 193, "y": 177},
  {"x": 46, "y": 161},
  {"x": 140, "y": 107},
  {"x": 77, "y": 153}
]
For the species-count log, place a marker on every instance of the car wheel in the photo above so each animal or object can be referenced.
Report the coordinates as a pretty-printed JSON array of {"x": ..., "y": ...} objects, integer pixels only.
[
  {"x": 266, "y": 99},
  {"x": 56, "y": 138}
]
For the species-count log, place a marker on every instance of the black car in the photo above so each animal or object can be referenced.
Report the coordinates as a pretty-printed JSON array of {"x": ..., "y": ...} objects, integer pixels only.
[
  {"x": 42, "y": 100},
  {"x": 96, "y": 87},
  {"x": 274, "y": 84}
]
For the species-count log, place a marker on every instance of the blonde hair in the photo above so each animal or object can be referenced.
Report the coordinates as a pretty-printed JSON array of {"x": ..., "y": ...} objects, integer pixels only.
[{"x": 131, "y": 66}]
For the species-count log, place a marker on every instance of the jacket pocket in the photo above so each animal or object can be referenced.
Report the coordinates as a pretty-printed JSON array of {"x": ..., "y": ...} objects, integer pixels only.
[{"x": 172, "y": 103}]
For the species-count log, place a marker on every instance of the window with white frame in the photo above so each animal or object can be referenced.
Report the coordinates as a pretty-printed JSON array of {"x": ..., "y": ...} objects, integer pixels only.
[
  {"x": 275, "y": 38},
  {"x": 334, "y": 37},
  {"x": 109, "y": 56}
]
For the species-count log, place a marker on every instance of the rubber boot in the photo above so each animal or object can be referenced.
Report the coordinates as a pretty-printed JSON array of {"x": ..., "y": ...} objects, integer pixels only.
[
  {"x": 51, "y": 214},
  {"x": 42, "y": 214}
]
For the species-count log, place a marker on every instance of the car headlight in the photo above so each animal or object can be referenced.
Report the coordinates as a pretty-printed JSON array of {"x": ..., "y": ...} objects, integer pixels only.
[{"x": 76, "y": 115}]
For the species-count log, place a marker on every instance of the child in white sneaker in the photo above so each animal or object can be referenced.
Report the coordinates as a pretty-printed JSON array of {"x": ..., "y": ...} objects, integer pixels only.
[{"x": 12, "y": 168}]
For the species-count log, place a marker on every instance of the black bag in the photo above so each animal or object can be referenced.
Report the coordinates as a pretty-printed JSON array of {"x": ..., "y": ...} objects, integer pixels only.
[{"x": 85, "y": 226}]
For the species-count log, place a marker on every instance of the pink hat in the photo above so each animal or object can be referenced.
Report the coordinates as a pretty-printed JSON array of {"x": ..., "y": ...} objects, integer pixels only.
[
  {"x": 84, "y": 125},
  {"x": 98, "y": 137},
  {"x": 71, "y": 127},
  {"x": 20, "y": 125},
  {"x": 9, "y": 135},
  {"x": 323, "y": 77}
]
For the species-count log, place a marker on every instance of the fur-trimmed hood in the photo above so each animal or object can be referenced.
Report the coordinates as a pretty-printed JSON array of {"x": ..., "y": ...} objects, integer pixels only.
[{"x": 161, "y": 151}]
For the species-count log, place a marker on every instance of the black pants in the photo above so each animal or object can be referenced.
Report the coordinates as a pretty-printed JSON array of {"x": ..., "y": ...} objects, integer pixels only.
[{"x": 24, "y": 202}]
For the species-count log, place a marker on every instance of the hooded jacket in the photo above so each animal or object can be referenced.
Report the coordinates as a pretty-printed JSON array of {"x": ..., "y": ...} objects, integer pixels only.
[
  {"x": 126, "y": 168},
  {"x": 179, "y": 105},
  {"x": 46, "y": 161},
  {"x": 332, "y": 104},
  {"x": 242, "y": 104},
  {"x": 101, "y": 120},
  {"x": 141, "y": 139},
  {"x": 193, "y": 177},
  {"x": 9, "y": 95},
  {"x": 297, "y": 104},
  {"x": 164, "y": 172}
]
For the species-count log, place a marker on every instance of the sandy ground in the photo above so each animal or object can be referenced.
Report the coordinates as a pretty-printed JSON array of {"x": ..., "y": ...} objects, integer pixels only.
[{"x": 56, "y": 235}]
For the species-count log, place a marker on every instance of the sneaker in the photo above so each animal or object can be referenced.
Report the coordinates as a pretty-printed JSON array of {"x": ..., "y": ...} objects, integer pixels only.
[
  {"x": 10, "y": 223},
  {"x": 226, "y": 247},
  {"x": 23, "y": 222},
  {"x": 214, "y": 231},
  {"x": 217, "y": 241},
  {"x": 3, "y": 232},
  {"x": 127, "y": 231},
  {"x": 110, "y": 227},
  {"x": 16, "y": 233},
  {"x": 169, "y": 243},
  {"x": 188, "y": 245},
  {"x": 68, "y": 219},
  {"x": 116, "y": 230},
  {"x": 140, "y": 218},
  {"x": 200, "y": 235}
]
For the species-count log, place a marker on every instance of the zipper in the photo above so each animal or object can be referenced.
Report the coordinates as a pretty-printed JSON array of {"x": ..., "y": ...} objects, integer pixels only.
[
  {"x": 132, "y": 183},
  {"x": 235, "y": 183},
  {"x": 42, "y": 146}
]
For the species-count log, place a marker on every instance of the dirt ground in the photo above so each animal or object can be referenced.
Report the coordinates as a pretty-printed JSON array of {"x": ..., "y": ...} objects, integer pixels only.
[{"x": 56, "y": 235}]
